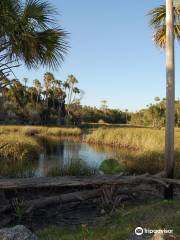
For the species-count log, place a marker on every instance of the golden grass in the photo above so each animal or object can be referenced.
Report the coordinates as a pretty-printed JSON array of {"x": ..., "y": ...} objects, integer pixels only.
[
  {"x": 55, "y": 131},
  {"x": 16, "y": 146},
  {"x": 34, "y": 130},
  {"x": 19, "y": 150},
  {"x": 132, "y": 138},
  {"x": 141, "y": 149},
  {"x": 18, "y": 155}
]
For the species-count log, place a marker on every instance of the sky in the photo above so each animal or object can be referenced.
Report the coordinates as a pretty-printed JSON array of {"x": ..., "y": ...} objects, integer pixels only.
[{"x": 112, "y": 53}]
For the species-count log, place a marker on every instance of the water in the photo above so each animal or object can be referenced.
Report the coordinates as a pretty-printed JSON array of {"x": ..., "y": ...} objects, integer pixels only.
[
  {"x": 59, "y": 154},
  {"x": 72, "y": 157}
]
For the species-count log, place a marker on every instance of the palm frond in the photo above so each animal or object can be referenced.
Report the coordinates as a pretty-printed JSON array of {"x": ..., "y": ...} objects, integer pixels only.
[
  {"x": 31, "y": 34},
  {"x": 158, "y": 16},
  {"x": 158, "y": 22}
]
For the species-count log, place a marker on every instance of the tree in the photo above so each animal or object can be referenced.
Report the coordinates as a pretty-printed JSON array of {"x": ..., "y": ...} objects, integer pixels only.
[
  {"x": 37, "y": 86},
  {"x": 165, "y": 21},
  {"x": 29, "y": 34},
  {"x": 104, "y": 105},
  {"x": 170, "y": 96},
  {"x": 71, "y": 91},
  {"x": 157, "y": 99}
]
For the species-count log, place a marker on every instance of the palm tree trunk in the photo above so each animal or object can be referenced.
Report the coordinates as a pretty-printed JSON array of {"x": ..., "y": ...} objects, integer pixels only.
[{"x": 170, "y": 97}]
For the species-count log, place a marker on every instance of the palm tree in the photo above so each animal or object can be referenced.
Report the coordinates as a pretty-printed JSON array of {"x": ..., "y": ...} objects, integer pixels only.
[
  {"x": 165, "y": 20},
  {"x": 48, "y": 80},
  {"x": 170, "y": 96},
  {"x": 29, "y": 34},
  {"x": 158, "y": 22},
  {"x": 72, "y": 81},
  {"x": 38, "y": 88}
]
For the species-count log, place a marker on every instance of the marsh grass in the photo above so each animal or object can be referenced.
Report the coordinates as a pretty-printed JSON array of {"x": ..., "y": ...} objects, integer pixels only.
[
  {"x": 40, "y": 130},
  {"x": 141, "y": 149},
  {"x": 18, "y": 155},
  {"x": 74, "y": 167},
  {"x": 18, "y": 169},
  {"x": 20, "y": 148},
  {"x": 55, "y": 131}
]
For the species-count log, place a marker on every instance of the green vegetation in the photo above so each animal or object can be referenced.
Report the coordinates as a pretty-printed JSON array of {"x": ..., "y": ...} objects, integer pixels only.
[
  {"x": 30, "y": 34},
  {"x": 150, "y": 215},
  {"x": 110, "y": 166},
  {"x": 19, "y": 208},
  {"x": 87, "y": 114},
  {"x": 39, "y": 104},
  {"x": 51, "y": 102},
  {"x": 154, "y": 114}
]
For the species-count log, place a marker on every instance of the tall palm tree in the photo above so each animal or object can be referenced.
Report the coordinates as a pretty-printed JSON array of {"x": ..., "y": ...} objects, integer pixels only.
[
  {"x": 72, "y": 81},
  {"x": 170, "y": 96},
  {"x": 165, "y": 20},
  {"x": 29, "y": 34},
  {"x": 48, "y": 80},
  {"x": 37, "y": 85}
]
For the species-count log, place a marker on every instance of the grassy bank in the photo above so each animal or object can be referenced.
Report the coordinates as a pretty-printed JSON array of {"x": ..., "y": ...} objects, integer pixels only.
[
  {"x": 132, "y": 138},
  {"x": 18, "y": 154},
  {"x": 152, "y": 215},
  {"x": 141, "y": 150},
  {"x": 40, "y": 130},
  {"x": 20, "y": 147}
]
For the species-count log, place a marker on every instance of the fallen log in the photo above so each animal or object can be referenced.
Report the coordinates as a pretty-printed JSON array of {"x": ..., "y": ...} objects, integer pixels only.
[
  {"x": 61, "y": 182},
  {"x": 78, "y": 196},
  {"x": 63, "y": 198}
]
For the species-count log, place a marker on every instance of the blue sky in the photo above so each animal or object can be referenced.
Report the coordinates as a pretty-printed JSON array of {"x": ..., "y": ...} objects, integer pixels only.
[{"x": 112, "y": 52}]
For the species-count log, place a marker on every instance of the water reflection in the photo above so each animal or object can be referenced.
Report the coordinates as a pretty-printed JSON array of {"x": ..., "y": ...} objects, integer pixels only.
[{"x": 60, "y": 153}]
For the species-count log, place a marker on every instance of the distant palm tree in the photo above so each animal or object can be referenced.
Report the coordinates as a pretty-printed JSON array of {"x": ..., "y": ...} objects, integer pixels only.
[
  {"x": 37, "y": 85},
  {"x": 29, "y": 34},
  {"x": 158, "y": 22},
  {"x": 71, "y": 81}
]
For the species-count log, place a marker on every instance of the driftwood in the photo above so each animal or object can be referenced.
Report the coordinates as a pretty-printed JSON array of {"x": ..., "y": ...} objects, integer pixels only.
[
  {"x": 79, "y": 182},
  {"x": 63, "y": 198},
  {"x": 78, "y": 196},
  {"x": 105, "y": 190},
  {"x": 58, "y": 199}
]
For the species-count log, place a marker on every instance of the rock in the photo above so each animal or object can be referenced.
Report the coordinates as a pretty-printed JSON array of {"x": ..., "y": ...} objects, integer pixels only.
[
  {"x": 18, "y": 232},
  {"x": 161, "y": 236},
  {"x": 158, "y": 236}
]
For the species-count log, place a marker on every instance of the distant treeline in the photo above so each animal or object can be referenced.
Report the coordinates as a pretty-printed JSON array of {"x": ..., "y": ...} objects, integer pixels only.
[
  {"x": 51, "y": 102},
  {"x": 56, "y": 102},
  {"x": 87, "y": 114},
  {"x": 155, "y": 114},
  {"x": 42, "y": 103}
]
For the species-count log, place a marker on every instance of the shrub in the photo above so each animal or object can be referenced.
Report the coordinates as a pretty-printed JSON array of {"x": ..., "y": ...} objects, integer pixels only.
[{"x": 110, "y": 166}]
